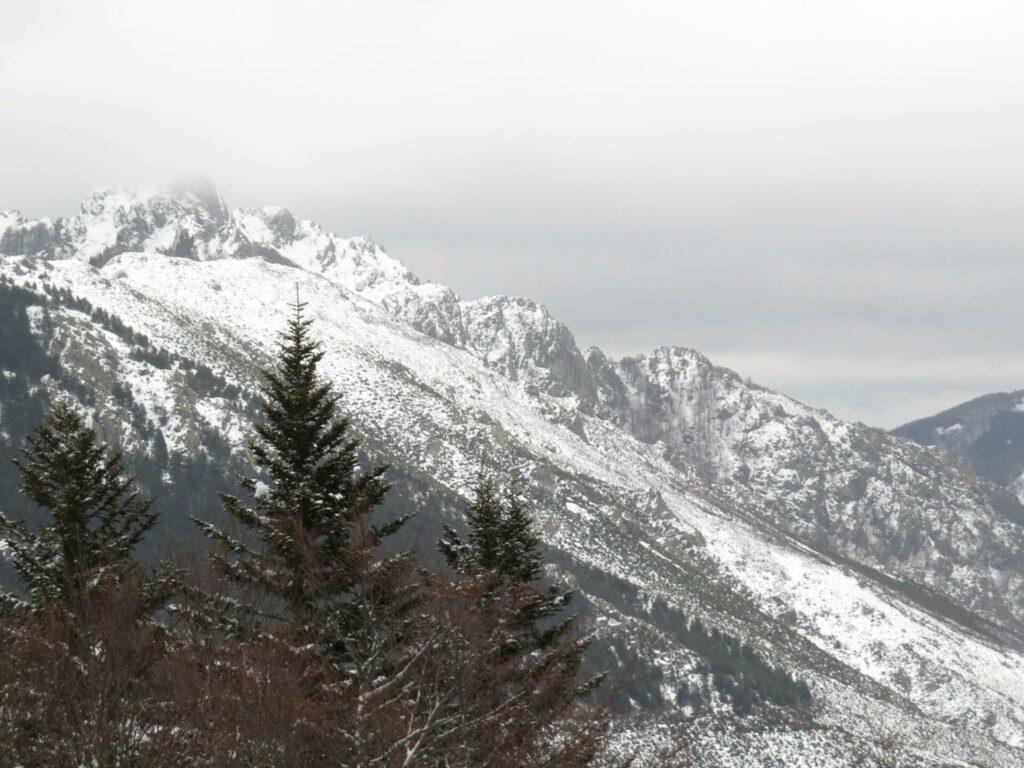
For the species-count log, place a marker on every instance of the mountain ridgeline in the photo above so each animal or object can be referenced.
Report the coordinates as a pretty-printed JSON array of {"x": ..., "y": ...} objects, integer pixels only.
[
  {"x": 795, "y": 584},
  {"x": 986, "y": 433}
]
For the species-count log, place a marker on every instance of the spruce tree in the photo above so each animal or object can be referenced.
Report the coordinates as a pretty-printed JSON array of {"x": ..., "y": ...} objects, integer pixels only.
[
  {"x": 503, "y": 545},
  {"x": 522, "y": 554},
  {"x": 522, "y": 563},
  {"x": 483, "y": 550},
  {"x": 309, "y": 516},
  {"x": 530, "y": 656},
  {"x": 96, "y": 516}
]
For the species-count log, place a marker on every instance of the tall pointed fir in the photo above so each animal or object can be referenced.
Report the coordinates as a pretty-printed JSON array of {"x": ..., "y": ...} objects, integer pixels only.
[
  {"x": 95, "y": 515},
  {"x": 522, "y": 563},
  {"x": 502, "y": 544},
  {"x": 308, "y": 535},
  {"x": 483, "y": 548},
  {"x": 502, "y": 563}
]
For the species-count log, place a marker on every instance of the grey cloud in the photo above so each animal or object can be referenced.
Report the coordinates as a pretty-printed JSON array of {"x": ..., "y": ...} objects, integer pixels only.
[{"x": 776, "y": 185}]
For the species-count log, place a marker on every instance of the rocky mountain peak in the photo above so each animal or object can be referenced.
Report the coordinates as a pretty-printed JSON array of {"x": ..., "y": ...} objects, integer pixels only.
[
  {"x": 520, "y": 338},
  {"x": 281, "y": 221},
  {"x": 205, "y": 192},
  {"x": 840, "y": 487}
]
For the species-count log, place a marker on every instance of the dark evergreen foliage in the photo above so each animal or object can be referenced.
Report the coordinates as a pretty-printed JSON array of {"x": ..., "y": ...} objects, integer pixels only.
[
  {"x": 734, "y": 668},
  {"x": 482, "y": 550},
  {"x": 95, "y": 515},
  {"x": 502, "y": 544},
  {"x": 310, "y": 517},
  {"x": 23, "y": 361}
]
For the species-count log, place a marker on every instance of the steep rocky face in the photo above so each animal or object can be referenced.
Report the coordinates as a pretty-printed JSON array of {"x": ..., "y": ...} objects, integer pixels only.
[
  {"x": 842, "y": 488},
  {"x": 520, "y": 339},
  {"x": 177, "y": 222},
  {"x": 672, "y": 490},
  {"x": 987, "y": 433},
  {"x": 20, "y": 236}
]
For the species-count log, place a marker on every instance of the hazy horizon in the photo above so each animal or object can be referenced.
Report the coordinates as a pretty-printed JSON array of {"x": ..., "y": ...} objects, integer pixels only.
[{"x": 826, "y": 199}]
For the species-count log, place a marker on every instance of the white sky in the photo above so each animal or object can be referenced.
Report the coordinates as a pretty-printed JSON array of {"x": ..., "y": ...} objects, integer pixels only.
[{"x": 825, "y": 196}]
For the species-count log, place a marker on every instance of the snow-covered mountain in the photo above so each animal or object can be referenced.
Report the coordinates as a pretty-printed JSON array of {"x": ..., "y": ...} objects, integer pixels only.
[
  {"x": 887, "y": 577},
  {"x": 987, "y": 433}
]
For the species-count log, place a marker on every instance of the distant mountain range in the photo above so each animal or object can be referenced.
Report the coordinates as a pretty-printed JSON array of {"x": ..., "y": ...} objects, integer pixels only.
[
  {"x": 885, "y": 576},
  {"x": 987, "y": 433}
]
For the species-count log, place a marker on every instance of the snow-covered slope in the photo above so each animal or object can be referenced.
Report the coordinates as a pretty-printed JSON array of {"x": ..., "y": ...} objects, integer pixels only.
[
  {"x": 840, "y": 487},
  {"x": 664, "y": 486}
]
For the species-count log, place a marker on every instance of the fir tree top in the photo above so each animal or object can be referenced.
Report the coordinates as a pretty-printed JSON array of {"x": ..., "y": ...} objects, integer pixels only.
[
  {"x": 503, "y": 545},
  {"x": 96, "y": 514},
  {"x": 310, "y": 494}
]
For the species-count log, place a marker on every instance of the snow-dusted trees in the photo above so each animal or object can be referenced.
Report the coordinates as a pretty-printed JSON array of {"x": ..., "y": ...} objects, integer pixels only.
[
  {"x": 307, "y": 564},
  {"x": 312, "y": 644},
  {"x": 536, "y": 690},
  {"x": 307, "y": 538},
  {"x": 461, "y": 700},
  {"x": 95, "y": 516},
  {"x": 95, "y": 686},
  {"x": 83, "y": 680},
  {"x": 503, "y": 549},
  {"x": 401, "y": 666}
]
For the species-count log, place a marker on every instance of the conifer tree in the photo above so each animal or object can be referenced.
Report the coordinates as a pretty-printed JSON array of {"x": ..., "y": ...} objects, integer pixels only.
[
  {"x": 534, "y": 658},
  {"x": 522, "y": 563},
  {"x": 483, "y": 550},
  {"x": 522, "y": 555},
  {"x": 96, "y": 516},
  {"x": 310, "y": 514},
  {"x": 502, "y": 544}
]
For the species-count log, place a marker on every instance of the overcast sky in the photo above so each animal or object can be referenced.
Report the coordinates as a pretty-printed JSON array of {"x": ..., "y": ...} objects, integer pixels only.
[{"x": 826, "y": 196}]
